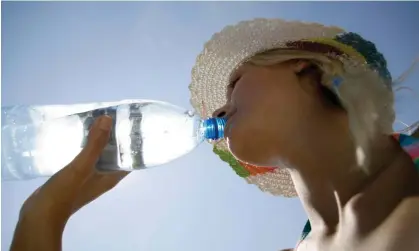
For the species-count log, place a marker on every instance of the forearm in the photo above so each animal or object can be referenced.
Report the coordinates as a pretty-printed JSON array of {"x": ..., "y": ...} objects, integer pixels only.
[{"x": 37, "y": 235}]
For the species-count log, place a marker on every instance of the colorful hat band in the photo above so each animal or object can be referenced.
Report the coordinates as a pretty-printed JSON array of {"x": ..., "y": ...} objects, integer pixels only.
[
  {"x": 325, "y": 46},
  {"x": 350, "y": 44}
]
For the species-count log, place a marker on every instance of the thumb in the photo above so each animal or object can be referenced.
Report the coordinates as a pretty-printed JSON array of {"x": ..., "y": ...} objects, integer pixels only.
[{"x": 97, "y": 139}]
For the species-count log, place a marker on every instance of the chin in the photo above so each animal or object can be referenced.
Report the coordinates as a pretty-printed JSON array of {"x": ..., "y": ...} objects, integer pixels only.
[{"x": 250, "y": 152}]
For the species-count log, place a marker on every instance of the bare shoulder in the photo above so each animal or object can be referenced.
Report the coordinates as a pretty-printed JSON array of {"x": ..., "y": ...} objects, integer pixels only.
[{"x": 401, "y": 228}]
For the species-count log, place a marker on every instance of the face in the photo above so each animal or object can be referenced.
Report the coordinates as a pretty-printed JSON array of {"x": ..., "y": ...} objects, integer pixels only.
[{"x": 276, "y": 115}]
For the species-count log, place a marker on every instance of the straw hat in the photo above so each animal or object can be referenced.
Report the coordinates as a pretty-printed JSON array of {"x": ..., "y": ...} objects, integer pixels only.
[{"x": 231, "y": 47}]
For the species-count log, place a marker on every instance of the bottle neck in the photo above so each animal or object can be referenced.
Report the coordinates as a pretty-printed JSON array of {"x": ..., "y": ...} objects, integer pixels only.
[{"x": 213, "y": 128}]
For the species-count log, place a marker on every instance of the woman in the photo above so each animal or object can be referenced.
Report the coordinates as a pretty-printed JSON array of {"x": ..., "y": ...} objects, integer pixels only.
[{"x": 310, "y": 114}]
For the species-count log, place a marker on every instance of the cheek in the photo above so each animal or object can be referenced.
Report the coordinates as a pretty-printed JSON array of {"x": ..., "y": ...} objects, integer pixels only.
[
  {"x": 266, "y": 129},
  {"x": 259, "y": 138},
  {"x": 260, "y": 126}
]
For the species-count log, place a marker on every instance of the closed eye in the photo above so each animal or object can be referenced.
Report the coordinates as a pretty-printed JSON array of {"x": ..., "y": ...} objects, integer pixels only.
[
  {"x": 230, "y": 87},
  {"x": 233, "y": 83}
]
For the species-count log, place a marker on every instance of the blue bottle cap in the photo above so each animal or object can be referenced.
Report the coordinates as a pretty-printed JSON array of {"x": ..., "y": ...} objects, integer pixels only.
[{"x": 214, "y": 128}]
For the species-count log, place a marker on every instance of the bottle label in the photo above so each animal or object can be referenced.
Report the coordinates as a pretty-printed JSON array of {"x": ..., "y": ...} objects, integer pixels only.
[{"x": 129, "y": 137}]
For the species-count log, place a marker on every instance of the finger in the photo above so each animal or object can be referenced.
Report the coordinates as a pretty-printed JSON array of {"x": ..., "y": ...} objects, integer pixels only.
[
  {"x": 97, "y": 140},
  {"x": 96, "y": 185},
  {"x": 75, "y": 174}
]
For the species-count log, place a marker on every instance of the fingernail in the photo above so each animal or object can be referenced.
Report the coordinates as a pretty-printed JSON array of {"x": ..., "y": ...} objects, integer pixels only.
[{"x": 105, "y": 123}]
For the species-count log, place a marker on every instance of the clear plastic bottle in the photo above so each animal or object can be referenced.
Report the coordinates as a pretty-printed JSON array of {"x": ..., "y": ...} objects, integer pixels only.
[{"x": 38, "y": 141}]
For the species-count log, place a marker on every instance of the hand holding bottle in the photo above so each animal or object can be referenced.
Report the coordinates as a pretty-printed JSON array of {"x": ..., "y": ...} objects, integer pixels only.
[{"x": 44, "y": 214}]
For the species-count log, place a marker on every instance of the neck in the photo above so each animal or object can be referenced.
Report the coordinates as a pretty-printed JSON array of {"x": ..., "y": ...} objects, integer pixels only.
[{"x": 331, "y": 188}]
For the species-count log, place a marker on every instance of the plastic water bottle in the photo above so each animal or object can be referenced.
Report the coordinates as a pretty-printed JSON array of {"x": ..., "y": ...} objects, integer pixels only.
[{"x": 38, "y": 141}]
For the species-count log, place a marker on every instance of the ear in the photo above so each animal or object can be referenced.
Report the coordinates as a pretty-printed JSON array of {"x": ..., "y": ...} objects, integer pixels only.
[
  {"x": 299, "y": 65},
  {"x": 305, "y": 69}
]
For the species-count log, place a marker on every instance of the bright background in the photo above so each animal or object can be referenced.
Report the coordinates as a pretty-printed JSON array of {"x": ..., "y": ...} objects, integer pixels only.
[{"x": 84, "y": 52}]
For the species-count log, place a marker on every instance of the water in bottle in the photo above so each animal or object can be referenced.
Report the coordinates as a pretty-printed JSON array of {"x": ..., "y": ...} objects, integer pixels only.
[{"x": 40, "y": 140}]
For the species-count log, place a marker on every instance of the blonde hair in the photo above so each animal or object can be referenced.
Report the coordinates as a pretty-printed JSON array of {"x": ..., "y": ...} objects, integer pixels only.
[{"x": 365, "y": 96}]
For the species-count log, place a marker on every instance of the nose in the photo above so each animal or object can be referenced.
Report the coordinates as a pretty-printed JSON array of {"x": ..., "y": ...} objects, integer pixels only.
[
  {"x": 219, "y": 113},
  {"x": 224, "y": 111}
]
